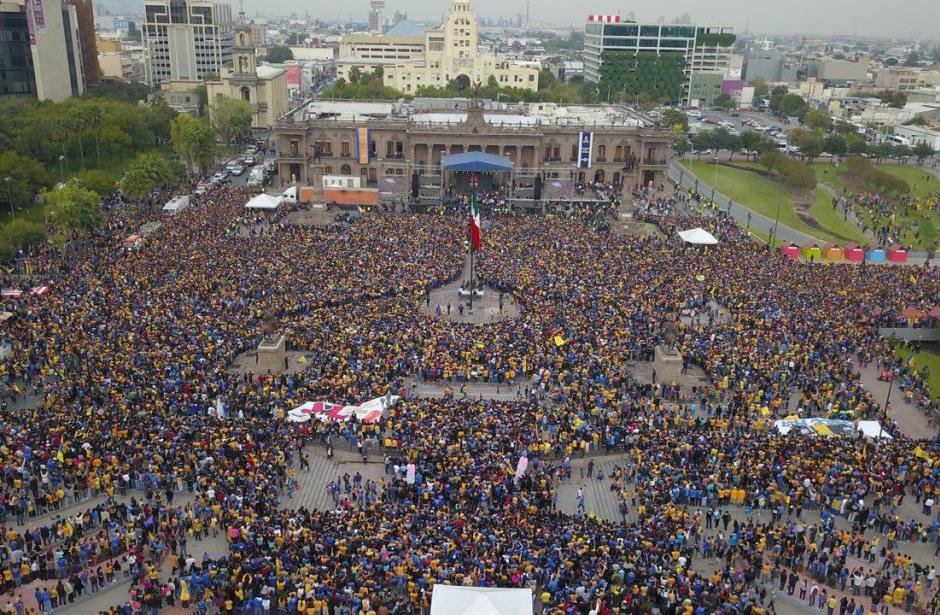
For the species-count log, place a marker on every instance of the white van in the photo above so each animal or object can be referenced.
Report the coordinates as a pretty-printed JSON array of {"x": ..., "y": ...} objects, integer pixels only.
[{"x": 290, "y": 195}]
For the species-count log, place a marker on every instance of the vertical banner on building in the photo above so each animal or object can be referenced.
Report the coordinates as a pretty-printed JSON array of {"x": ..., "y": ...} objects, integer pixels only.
[
  {"x": 584, "y": 150},
  {"x": 362, "y": 145}
]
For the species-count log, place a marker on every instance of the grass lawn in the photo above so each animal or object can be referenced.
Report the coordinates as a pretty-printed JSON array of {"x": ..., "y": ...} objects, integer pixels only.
[
  {"x": 921, "y": 182},
  {"x": 763, "y": 196},
  {"x": 930, "y": 360},
  {"x": 831, "y": 219},
  {"x": 828, "y": 174}
]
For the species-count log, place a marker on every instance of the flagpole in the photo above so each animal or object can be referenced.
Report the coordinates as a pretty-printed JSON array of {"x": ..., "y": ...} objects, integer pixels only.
[{"x": 473, "y": 198}]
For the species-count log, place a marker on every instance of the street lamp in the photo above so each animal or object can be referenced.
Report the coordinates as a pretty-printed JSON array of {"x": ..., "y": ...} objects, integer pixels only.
[
  {"x": 61, "y": 167},
  {"x": 10, "y": 196},
  {"x": 881, "y": 423}
]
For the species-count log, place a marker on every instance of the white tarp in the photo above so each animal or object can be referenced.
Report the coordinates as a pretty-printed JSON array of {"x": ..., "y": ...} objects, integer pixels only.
[
  {"x": 264, "y": 201},
  {"x": 872, "y": 429},
  {"x": 459, "y": 600},
  {"x": 176, "y": 204},
  {"x": 698, "y": 236}
]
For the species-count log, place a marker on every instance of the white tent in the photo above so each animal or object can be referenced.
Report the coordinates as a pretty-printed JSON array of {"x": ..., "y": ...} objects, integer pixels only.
[
  {"x": 459, "y": 600},
  {"x": 264, "y": 201},
  {"x": 176, "y": 204},
  {"x": 698, "y": 236}
]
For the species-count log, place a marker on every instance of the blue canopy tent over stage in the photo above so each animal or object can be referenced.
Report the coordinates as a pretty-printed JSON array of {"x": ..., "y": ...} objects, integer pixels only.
[{"x": 492, "y": 171}]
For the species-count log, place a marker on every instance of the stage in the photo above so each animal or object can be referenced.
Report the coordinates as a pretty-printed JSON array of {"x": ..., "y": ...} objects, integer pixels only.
[{"x": 491, "y": 172}]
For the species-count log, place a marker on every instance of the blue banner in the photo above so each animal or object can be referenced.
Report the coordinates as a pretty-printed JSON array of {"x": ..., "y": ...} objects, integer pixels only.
[{"x": 584, "y": 150}]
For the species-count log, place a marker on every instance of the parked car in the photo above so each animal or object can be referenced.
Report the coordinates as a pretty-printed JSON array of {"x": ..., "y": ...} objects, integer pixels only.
[{"x": 238, "y": 170}]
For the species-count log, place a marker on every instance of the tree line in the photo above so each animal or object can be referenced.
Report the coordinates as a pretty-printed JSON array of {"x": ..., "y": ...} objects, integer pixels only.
[{"x": 59, "y": 160}]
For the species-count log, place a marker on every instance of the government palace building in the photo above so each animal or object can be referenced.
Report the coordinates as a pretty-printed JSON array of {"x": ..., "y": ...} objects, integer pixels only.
[{"x": 385, "y": 143}]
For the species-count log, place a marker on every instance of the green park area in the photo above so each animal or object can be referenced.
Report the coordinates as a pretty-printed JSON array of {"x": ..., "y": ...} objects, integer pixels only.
[
  {"x": 765, "y": 196},
  {"x": 920, "y": 227},
  {"x": 925, "y": 359}
]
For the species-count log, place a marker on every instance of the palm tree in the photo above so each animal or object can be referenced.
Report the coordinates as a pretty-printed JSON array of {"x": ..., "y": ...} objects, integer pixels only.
[
  {"x": 94, "y": 119},
  {"x": 61, "y": 129}
]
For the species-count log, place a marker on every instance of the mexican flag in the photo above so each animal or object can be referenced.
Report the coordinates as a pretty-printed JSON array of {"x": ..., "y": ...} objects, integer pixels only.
[{"x": 475, "y": 220}]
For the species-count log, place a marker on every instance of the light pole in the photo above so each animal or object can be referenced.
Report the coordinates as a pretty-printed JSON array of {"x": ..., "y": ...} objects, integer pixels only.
[
  {"x": 61, "y": 167},
  {"x": 773, "y": 234},
  {"x": 10, "y": 196},
  {"x": 881, "y": 423}
]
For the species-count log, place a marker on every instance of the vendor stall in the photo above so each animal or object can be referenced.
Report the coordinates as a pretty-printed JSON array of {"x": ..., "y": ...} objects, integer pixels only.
[
  {"x": 811, "y": 251},
  {"x": 854, "y": 254},
  {"x": 897, "y": 254},
  {"x": 790, "y": 250},
  {"x": 833, "y": 253},
  {"x": 876, "y": 255}
]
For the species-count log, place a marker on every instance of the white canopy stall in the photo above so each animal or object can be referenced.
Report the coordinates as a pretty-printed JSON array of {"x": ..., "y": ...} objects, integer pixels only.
[
  {"x": 698, "y": 237},
  {"x": 264, "y": 201},
  {"x": 459, "y": 600}
]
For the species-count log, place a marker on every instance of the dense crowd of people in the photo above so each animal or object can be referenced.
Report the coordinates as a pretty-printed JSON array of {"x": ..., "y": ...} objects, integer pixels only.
[{"x": 123, "y": 391}]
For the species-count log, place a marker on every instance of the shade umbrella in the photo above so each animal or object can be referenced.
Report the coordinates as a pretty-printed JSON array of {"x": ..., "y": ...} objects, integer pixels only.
[{"x": 910, "y": 312}]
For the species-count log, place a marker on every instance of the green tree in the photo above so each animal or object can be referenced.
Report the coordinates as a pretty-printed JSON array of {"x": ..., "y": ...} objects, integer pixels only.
[
  {"x": 95, "y": 121},
  {"x": 193, "y": 140},
  {"x": 231, "y": 118},
  {"x": 913, "y": 58},
  {"x": 278, "y": 55},
  {"x": 96, "y": 181},
  {"x": 149, "y": 171},
  {"x": 681, "y": 144},
  {"x": 120, "y": 91},
  {"x": 23, "y": 234},
  {"x": 724, "y": 102},
  {"x": 73, "y": 210},
  {"x": 771, "y": 159},
  {"x": 158, "y": 119},
  {"x": 724, "y": 139},
  {"x": 27, "y": 178},
  {"x": 892, "y": 98},
  {"x": 922, "y": 150},
  {"x": 672, "y": 118},
  {"x": 702, "y": 140},
  {"x": 818, "y": 119},
  {"x": 761, "y": 88},
  {"x": 754, "y": 142},
  {"x": 791, "y": 105},
  {"x": 837, "y": 145}
]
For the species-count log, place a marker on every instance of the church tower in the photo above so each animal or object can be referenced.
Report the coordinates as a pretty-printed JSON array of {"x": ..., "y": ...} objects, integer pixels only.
[{"x": 244, "y": 62}]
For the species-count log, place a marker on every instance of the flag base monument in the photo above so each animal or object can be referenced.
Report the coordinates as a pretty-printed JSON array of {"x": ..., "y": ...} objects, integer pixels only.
[
  {"x": 271, "y": 354},
  {"x": 668, "y": 365},
  {"x": 451, "y": 302}
]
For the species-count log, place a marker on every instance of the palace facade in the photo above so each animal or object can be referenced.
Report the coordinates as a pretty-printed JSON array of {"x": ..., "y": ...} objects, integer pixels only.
[{"x": 380, "y": 141}]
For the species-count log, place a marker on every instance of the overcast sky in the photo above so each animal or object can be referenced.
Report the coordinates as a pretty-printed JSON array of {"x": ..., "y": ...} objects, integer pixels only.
[{"x": 866, "y": 17}]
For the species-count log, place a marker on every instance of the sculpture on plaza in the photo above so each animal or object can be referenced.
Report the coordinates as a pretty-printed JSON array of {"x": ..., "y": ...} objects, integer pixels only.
[{"x": 670, "y": 334}]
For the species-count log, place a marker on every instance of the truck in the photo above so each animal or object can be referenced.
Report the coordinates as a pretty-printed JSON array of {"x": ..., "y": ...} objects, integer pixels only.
[
  {"x": 307, "y": 194},
  {"x": 256, "y": 176}
]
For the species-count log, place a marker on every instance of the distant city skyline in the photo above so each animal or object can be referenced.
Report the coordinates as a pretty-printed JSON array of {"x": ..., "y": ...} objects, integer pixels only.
[{"x": 905, "y": 19}]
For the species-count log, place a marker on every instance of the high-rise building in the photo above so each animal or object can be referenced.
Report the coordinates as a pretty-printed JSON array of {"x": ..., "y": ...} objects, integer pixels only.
[
  {"x": 16, "y": 58},
  {"x": 46, "y": 61},
  {"x": 704, "y": 48},
  {"x": 186, "y": 39},
  {"x": 376, "y": 16},
  {"x": 87, "y": 40}
]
